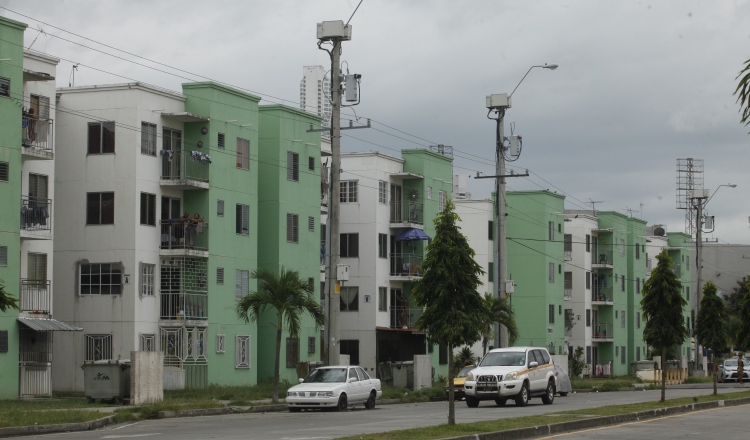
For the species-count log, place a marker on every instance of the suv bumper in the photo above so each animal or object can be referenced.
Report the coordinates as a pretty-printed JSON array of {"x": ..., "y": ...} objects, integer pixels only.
[{"x": 491, "y": 390}]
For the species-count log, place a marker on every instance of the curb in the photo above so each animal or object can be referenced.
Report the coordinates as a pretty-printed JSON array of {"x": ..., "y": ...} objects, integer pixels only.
[
  {"x": 578, "y": 425},
  {"x": 62, "y": 427}
]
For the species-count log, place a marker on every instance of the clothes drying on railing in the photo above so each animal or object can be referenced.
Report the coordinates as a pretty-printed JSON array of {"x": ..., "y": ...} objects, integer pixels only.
[
  {"x": 607, "y": 369},
  {"x": 169, "y": 153},
  {"x": 34, "y": 215},
  {"x": 198, "y": 156}
]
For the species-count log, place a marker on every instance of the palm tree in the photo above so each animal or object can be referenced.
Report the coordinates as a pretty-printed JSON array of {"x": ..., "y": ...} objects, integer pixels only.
[
  {"x": 499, "y": 312},
  {"x": 7, "y": 302},
  {"x": 291, "y": 297},
  {"x": 743, "y": 92}
]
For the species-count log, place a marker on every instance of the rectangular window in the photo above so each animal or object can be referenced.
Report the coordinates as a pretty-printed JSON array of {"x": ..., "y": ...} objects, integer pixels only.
[
  {"x": 100, "y": 208},
  {"x": 220, "y": 208},
  {"x": 382, "y": 245},
  {"x": 4, "y": 171},
  {"x": 171, "y": 140},
  {"x": 442, "y": 199},
  {"x": 429, "y": 193},
  {"x": 292, "y": 166},
  {"x": 382, "y": 192},
  {"x": 242, "y": 351},
  {"x": 568, "y": 246},
  {"x": 490, "y": 230},
  {"x": 221, "y": 141},
  {"x": 350, "y": 347},
  {"x": 311, "y": 163},
  {"x": 551, "y": 272},
  {"x": 617, "y": 350},
  {"x": 148, "y": 209},
  {"x": 148, "y": 342},
  {"x": 637, "y": 285},
  {"x": 311, "y": 224},
  {"x": 147, "y": 279},
  {"x": 622, "y": 247},
  {"x": 622, "y": 283},
  {"x": 382, "y": 299},
  {"x": 97, "y": 347},
  {"x": 243, "y": 154},
  {"x": 3, "y": 255},
  {"x": 687, "y": 293},
  {"x": 242, "y": 222},
  {"x": 323, "y": 234},
  {"x": 349, "y": 246},
  {"x": 292, "y": 228},
  {"x": 551, "y": 231},
  {"x": 551, "y": 313},
  {"x": 219, "y": 275},
  {"x": 490, "y": 272},
  {"x": 622, "y": 355},
  {"x": 292, "y": 352},
  {"x": 443, "y": 354},
  {"x": 588, "y": 317},
  {"x": 622, "y": 318},
  {"x": 148, "y": 139},
  {"x": 4, "y": 89},
  {"x": 687, "y": 263},
  {"x": 348, "y": 193},
  {"x": 241, "y": 284},
  {"x": 349, "y": 299},
  {"x": 637, "y": 252},
  {"x": 311, "y": 344},
  {"x": 3, "y": 341},
  {"x": 588, "y": 280},
  {"x": 637, "y": 353},
  {"x": 221, "y": 343},
  {"x": 588, "y": 354},
  {"x": 637, "y": 319},
  {"x": 101, "y": 137},
  {"x": 100, "y": 279},
  {"x": 588, "y": 243}
]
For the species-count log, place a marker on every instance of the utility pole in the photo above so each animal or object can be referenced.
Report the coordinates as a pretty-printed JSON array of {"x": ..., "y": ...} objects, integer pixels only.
[{"x": 698, "y": 196}]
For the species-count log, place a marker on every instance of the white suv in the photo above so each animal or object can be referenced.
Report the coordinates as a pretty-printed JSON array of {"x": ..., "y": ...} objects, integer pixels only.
[{"x": 514, "y": 372}]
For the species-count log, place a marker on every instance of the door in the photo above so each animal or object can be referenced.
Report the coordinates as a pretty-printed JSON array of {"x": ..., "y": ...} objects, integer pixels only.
[
  {"x": 172, "y": 164},
  {"x": 396, "y": 205},
  {"x": 536, "y": 375},
  {"x": 355, "y": 386},
  {"x": 399, "y": 309},
  {"x": 171, "y": 232}
]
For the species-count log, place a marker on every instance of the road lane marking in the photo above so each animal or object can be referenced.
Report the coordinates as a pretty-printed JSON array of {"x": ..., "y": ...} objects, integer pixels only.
[
  {"x": 131, "y": 435},
  {"x": 124, "y": 426}
]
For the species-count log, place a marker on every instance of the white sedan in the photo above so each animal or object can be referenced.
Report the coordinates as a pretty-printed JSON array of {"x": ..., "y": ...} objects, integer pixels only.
[{"x": 334, "y": 387}]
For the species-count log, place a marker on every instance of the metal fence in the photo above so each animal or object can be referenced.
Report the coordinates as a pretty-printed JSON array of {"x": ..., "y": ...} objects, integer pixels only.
[
  {"x": 37, "y": 134},
  {"x": 179, "y": 235},
  {"x": 184, "y": 165},
  {"x": 406, "y": 265},
  {"x": 35, "y": 296},
  {"x": 179, "y": 306},
  {"x": 407, "y": 212},
  {"x": 36, "y": 214},
  {"x": 404, "y": 317}
]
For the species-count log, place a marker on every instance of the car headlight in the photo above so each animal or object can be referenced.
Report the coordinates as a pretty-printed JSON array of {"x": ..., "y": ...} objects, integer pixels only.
[
  {"x": 510, "y": 376},
  {"x": 470, "y": 377},
  {"x": 291, "y": 393},
  {"x": 325, "y": 394}
]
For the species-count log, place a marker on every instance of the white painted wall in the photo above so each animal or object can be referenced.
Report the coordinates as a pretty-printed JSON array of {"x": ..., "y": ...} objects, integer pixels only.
[{"x": 579, "y": 226}]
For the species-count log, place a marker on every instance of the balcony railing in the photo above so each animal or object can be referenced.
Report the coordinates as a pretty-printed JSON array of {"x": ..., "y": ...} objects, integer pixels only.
[
  {"x": 36, "y": 214},
  {"x": 568, "y": 293},
  {"x": 176, "y": 235},
  {"x": 35, "y": 296},
  {"x": 181, "y": 166},
  {"x": 569, "y": 329},
  {"x": 406, "y": 265},
  {"x": 602, "y": 330},
  {"x": 37, "y": 134},
  {"x": 404, "y": 317},
  {"x": 602, "y": 256},
  {"x": 407, "y": 212},
  {"x": 601, "y": 294},
  {"x": 183, "y": 306}
]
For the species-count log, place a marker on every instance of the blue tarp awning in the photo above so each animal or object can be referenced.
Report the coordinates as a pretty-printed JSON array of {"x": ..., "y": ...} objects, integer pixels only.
[{"x": 412, "y": 235}]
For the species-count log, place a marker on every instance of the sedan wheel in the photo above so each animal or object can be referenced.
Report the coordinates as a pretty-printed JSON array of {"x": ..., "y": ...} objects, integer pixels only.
[
  {"x": 370, "y": 404},
  {"x": 341, "y": 406}
]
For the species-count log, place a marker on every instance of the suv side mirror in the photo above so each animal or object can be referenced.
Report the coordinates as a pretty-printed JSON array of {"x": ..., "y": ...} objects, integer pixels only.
[
  {"x": 301, "y": 380},
  {"x": 533, "y": 364}
]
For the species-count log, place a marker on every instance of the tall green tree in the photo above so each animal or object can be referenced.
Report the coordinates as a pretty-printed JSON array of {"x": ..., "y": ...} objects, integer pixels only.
[
  {"x": 291, "y": 297},
  {"x": 734, "y": 299},
  {"x": 711, "y": 325},
  {"x": 743, "y": 333},
  {"x": 743, "y": 93},
  {"x": 500, "y": 312},
  {"x": 7, "y": 302},
  {"x": 662, "y": 304},
  {"x": 454, "y": 312}
]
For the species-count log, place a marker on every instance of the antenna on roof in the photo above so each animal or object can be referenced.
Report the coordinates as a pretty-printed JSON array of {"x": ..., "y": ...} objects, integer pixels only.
[
  {"x": 72, "y": 81},
  {"x": 41, "y": 31}
]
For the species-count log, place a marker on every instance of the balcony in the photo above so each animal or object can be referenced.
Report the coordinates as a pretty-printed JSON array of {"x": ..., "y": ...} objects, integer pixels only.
[
  {"x": 568, "y": 293},
  {"x": 36, "y": 138},
  {"x": 404, "y": 317},
  {"x": 183, "y": 286},
  {"x": 407, "y": 215},
  {"x": 406, "y": 266},
  {"x": 602, "y": 295},
  {"x": 36, "y": 219},
  {"x": 602, "y": 258},
  {"x": 569, "y": 328},
  {"x": 602, "y": 332},
  {"x": 677, "y": 269},
  {"x": 35, "y": 296},
  {"x": 177, "y": 239},
  {"x": 183, "y": 307},
  {"x": 184, "y": 169}
]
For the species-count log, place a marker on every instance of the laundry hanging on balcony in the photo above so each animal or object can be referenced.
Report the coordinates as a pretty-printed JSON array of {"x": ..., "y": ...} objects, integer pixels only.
[
  {"x": 198, "y": 156},
  {"x": 413, "y": 235},
  {"x": 169, "y": 153}
]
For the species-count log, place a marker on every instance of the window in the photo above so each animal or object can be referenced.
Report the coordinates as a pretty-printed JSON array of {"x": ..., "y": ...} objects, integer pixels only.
[
  {"x": 147, "y": 279},
  {"x": 348, "y": 192},
  {"x": 559, "y": 268},
  {"x": 221, "y": 142},
  {"x": 350, "y": 347},
  {"x": 3, "y": 341},
  {"x": 588, "y": 243},
  {"x": 588, "y": 280},
  {"x": 490, "y": 272},
  {"x": 101, "y": 137},
  {"x": 429, "y": 193},
  {"x": 241, "y": 284},
  {"x": 382, "y": 299},
  {"x": 148, "y": 138},
  {"x": 349, "y": 246},
  {"x": 292, "y": 228},
  {"x": 551, "y": 313},
  {"x": 220, "y": 208},
  {"x": 637, "y": 252},
  {"x": 622, "y": 283},
  {"x": 622, "y": 247},
  {"x": 622, "y": 318},
  {"x": 221, "y": 343},
  {"x": 617, "y": 350},
  {"x": 551, "y": 231},
  {"x": 292, "y": 352},
  {"x": 3, "y": 255},
  {"x": 100, "y": 208},
  {"x": 442, "y": 354},
  {"x": 349, "y": 299},
  {"x": 100, "y": 279},
  {"x": 242, "y": 222},
  {"x": 588, "y": 317},
  {"x": 637, "y": 319},
  {"x": 242, "y": 351},
  {"x": 148, "y": 209},
  {"x": 568, "y": 246},
  {"x": 148, "y": 342},
  {"x": 622, "y": 355},
  {"x": 4, "y": 171},
  {"x": 97, "y": 347},
  {"x": 382, "y": 192},
  {"x": 219, "y": 275},
  {"x": 687, "y": 293},
  {"x": 311, "y": 224},
  {"x": 243, "y": 154},
  {"x": 637, "y": 285},
  {"x": 311, "y": 163},
  {"x": 292, "y": 166},
  {"x": 637, "y": 353},
  {"x": 588, "y": 354},
  {"x": 687, "y": 263},
  {"x": 4, "y": 91},
  {"x": 559, "y": 228},
  {"x": 382, "y": 245},
  {"x": 310, "y": 344},
  {"x": 551, "y": 272},
  {"x": 442, "y": 199}
]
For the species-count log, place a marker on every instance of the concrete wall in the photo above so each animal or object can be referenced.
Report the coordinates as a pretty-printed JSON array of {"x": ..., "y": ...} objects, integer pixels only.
[{"x": 146, "y": 377}]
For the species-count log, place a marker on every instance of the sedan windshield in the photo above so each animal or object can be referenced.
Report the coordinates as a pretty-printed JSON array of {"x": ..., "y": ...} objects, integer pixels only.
[
  {"x": 504, "y": 359},
  {"x": 327, "y": 375},
  {"x": 730, "y": 363},
  {"x": 465, "y": 371}
]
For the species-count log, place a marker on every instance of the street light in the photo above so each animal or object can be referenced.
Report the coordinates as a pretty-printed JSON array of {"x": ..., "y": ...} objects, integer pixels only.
[
  {"x": 729, "y": 185},
  {"x": 546, "y": 66}
]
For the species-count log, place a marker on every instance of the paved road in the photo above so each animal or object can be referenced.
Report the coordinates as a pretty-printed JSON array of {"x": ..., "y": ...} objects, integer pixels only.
[{"x": 326, "y": 425}]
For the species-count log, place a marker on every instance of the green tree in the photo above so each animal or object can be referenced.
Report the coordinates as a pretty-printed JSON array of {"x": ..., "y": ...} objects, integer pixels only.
[
  {"x": 662, "y": 304},
  {"x": 7, "y": 302},
  {"x": 743, "y": 93},
  {"x": 290, "y": 296},
  {"x": 464, "y": 357},
  {"x": 454, "y": 312},
  {"x": 500, "y": 312},
  {"x": 734, "y": 299},
  {"x": 711, "y": 326},
  {"x": 743, "y": 333}
]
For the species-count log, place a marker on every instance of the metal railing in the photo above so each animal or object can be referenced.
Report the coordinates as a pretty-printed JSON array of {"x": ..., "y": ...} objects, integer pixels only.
[
  {"x": 178, "y": 235},
  {"x": 407, "y": 212},
  {"x": 181, "y": 306},
  {"x": 35, "y": 296},
  {"x": 404, "y": 317},
  {"x": 602, "y": 255},
  {"x": 602, "y": 330},
  {"x": 601, "y": 294},
  {"x": 36, "y": 214},
  {"x": 184, "y": 165},
  {"x": 406, "y": 265},
  {"x": 568, "y": 293},
  {"x": 37, "y": 134}
]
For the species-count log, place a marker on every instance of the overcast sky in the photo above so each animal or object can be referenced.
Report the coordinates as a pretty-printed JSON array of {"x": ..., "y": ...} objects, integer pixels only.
[{"x": 640, "y": 83}]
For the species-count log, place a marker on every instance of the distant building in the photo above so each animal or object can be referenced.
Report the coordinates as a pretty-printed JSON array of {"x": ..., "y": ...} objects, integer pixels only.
[
  {"x": 459, "y": 188},
  {"x": 315, "y": 94}
]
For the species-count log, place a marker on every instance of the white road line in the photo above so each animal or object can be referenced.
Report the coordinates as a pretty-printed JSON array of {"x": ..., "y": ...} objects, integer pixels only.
[
  {"x": 132, "y": 435},
  {"x": 124, "y": 426}
]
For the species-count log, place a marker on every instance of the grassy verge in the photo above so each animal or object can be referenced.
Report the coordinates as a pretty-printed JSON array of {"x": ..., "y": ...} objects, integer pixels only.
[
  {"x": 446, "y": 431},
  {"x": 16, "y": 417},
  {"x": 406, "y": 395},
  {"x": 603, "y": 384}
]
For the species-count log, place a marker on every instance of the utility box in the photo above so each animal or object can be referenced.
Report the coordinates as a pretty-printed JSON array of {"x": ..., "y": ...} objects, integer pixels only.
[
  {"x": 515, "y": 146},
  {"x": 331, "y": 30},
  {"x": 342, "y": 272},
  {"x": 351, "y": 93},
  {"x": 501, "y": 100},
  {"x": 106, "y": 380},
  {"x": 699, "y": 194}
]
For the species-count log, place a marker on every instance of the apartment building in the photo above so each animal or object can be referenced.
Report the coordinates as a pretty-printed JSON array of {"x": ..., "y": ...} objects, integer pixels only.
[{"x": 315, "y": 95}]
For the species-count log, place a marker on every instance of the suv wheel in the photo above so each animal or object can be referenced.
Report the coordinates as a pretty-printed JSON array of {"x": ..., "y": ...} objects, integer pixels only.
[
  {"x": 523, "y": 396},
  {"x": 549, "y": 393},
  {"x": 472, "y": 402},
  {"x": 501, "y": 401}
]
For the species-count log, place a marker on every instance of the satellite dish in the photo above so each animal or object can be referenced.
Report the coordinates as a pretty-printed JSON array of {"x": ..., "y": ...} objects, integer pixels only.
[{"x": 659, "y": 232}]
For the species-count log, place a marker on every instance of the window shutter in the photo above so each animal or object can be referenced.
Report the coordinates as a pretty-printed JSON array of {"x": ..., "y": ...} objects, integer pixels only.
[
  {"x": 353, "y": 245},
  {"x": 219, "y": 275},
  {"x": 108, "y": 208},
  {"x": 3, "y": 255},
  {"x": 220, "y": 208},
  {"x": 4, "y": 171},
  {"x": 311, "y": 163},
  {"x": 221, "y": 141},
  {"x": 311, "y": 224},
  {"x": 3, "y": 341}
]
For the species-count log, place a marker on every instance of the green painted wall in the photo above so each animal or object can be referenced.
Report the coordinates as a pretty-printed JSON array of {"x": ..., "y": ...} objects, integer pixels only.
[
  {"x": 636, "y": 260},
  {"x": 530, "y": 252},
  {"x": 681, "y": 251},
  {"x": 227, "y": 249},
  {"x": 11, "y": 46},
  {"x": 283, "y": 129}
]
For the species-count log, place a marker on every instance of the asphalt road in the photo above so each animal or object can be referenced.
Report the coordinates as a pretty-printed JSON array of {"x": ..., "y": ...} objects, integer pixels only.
[{"x": 325, "y": 425}]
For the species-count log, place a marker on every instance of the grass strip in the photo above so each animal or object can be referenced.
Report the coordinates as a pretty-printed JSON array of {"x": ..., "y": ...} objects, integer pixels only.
[{"x": 16, "y": 417}]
